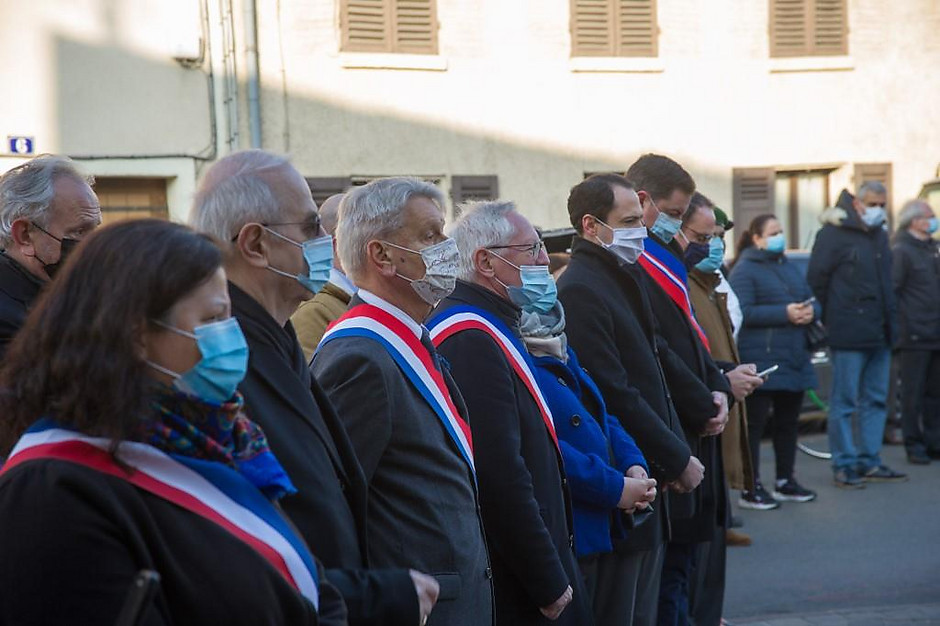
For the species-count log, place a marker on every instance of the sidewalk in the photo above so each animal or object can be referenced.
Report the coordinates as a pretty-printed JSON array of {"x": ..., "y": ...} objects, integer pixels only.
[{"x": 900, "y": 615}]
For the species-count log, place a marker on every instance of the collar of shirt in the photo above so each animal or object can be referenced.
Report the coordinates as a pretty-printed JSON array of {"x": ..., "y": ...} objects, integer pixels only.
[
  {"x": 370, "y": 298},
  {"x": 342, "y": 281}
]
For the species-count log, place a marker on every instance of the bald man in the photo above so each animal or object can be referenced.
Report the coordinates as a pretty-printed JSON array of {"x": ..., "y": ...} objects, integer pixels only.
[{"x": 313, "y": 316}]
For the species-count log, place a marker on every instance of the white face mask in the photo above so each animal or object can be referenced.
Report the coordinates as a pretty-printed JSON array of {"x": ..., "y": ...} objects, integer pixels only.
[
  {"x": 440, "y": 270},
  {"x": 627, "y": 243}
]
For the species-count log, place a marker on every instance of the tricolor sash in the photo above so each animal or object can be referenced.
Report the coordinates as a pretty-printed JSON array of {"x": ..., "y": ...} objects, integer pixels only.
[
  {"x": 211, "y": 490},
  {"x": 670, "y": 274},
  {"x": 456, "y": 319},
  {"x": 414, "y": 360}
]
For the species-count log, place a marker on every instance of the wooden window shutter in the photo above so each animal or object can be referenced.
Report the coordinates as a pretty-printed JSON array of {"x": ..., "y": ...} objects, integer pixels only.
[
  {"x": 626, "y": 28},
  {"x": 754, "y": 193},
  {"x": 808, "y": 28},
  {"x": 324, "y": 187},
  {"x": 465, "y": 188},
  {"x": 404, "y": 26}
]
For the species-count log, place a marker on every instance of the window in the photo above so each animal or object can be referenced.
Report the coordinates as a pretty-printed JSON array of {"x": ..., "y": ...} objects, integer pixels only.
[
  {"x": 800, "y": 198},
  {"x": 131, "y": 198},
  {"x": 403, "y": 26},
  {"x": 800, "y": 28},
  {"x": 614, "y": 28},
  {"x": 753, "y": 193},
  {"x": 324, "y": 187},
  {"x": 465, "y": 188}
]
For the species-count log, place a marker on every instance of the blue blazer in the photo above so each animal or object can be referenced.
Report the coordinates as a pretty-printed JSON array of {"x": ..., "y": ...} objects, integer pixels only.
[{"x": 595, "y": 448}]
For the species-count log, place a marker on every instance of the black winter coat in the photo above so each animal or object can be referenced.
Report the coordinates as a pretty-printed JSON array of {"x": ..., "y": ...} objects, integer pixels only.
[
  {"x": 916, "y": 276},
  {"x": 523, "y": 489},
  {"x": 850, "y": 273},
  {"x": 18, "y": 290},
  {"x": 308, "y": 439},
  {"x": 611, "y": 326}
]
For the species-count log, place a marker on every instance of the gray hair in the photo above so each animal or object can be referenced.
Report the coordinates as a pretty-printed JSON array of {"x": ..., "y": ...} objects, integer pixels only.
[
  {"x": 241, "y": 188},
  {"x": 481, "y": 224},
  {"x": 912, "y": 210},
  {"x": 872, "y": 186},
  {"x": 374, "y": 211},
  {"x": 28, "y": 190}
]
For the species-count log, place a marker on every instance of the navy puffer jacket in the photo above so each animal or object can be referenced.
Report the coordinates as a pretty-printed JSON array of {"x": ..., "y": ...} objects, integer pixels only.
[{"x": 766, "y": 283}]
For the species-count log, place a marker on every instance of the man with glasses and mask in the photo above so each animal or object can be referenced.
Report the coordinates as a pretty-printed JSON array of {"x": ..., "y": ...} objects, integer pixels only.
[
  {"x": 523, "y": 487},
  {"x": 46, "y": 208},
  {"x": 278, "y": 257},
  {"x": 397, "y": 400}
]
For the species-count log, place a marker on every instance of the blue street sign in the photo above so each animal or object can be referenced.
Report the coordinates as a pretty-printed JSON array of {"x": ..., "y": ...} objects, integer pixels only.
[{"x": 20, "y": 145}]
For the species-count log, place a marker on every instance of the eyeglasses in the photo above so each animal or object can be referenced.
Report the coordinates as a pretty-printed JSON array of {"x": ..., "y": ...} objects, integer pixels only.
[
  {"x": 700, "y": 237},
  {"x": 310, "y": 226},
  {"x": 533, "y": 249}
]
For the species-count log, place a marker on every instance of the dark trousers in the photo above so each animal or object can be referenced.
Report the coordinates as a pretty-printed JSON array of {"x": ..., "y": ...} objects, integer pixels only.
[
  {"x": 786, "y": 406},
  {"x": 611, "y": 580},
  {"x": 920, "y": 399},
  {"x": 707, "y": 590},
  {"x": 674, "y": 584}
]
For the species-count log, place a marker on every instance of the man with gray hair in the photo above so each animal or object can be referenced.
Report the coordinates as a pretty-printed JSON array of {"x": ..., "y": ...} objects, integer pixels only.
[
  {"x": 916, "y": 278},
  {"x": 850, "y": 274},
  {"x": 523, "y": 487},
  {"x": 313, "y": 316},
  {"x": 46, "y": 207},
  {"x": 261, "y": 208},
  {"x": 403, "y": 412}
]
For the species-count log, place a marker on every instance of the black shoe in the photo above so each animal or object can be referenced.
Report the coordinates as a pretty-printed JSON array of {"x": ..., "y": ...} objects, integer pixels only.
[
  {"x": 792, "y": 491},
  {"x": 848, "y": 478},
  {"x": 883, "y": 474},
  {"x": 918, "y": 457},
  {"x": 758, "y": 500}
]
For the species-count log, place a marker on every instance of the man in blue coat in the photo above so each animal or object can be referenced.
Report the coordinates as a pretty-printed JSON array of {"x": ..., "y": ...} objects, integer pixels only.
[{"x": 850, "y": 273}]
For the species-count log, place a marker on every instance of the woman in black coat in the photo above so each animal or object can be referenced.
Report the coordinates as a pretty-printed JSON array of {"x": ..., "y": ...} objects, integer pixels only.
[
  {"x": 778, "y": 305},
  {"x": 128, "y": 450}
]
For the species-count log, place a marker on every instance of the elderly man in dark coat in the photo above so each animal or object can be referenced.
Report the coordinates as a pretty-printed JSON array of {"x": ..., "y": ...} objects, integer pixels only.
[
  {"x": 523, "y": 488},
  {"x": 403, "y": 413},
  {"x": 257, "y": 201}
]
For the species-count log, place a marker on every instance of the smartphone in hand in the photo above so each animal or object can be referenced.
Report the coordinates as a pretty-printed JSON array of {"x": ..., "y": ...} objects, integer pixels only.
[{"x": 767, "y": 372}]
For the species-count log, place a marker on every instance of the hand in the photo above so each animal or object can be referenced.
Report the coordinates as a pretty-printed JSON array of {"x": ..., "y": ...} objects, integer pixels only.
[
  {"x": 743, "y": 381},
  {"x": 636, "y": 471},
  {"x": 690, "y": 477},
  {"x": 427, "y": 588},
  {"x": 716, "y": 425},
  {"x": 637, "y": 492},
  {"x": 800, "y": 314},
  {"x": 554, "y": 609}
]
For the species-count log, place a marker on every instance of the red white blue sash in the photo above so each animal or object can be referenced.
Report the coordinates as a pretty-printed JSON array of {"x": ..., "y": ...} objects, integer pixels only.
[
  {"x": 414, "y": 360},
  {"x": 457, "y": 319},
  {"x": 669, "y": 273},
  {"x": 211, "y": 490}
]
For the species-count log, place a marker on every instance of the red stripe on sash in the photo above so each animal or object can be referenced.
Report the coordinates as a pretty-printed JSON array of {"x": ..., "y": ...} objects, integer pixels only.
[
  {"x": 88, "y": 455},
  {"x": 677, "y": 294}
]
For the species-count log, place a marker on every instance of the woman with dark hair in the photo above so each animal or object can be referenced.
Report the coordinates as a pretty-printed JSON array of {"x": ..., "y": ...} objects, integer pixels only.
[
  {"x": 128, "y": 450},
  {"x": 778, "y": 305}
]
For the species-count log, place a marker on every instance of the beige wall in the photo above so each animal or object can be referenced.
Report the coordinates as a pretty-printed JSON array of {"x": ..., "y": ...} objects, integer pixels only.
[{"x": 97, "y": 78}]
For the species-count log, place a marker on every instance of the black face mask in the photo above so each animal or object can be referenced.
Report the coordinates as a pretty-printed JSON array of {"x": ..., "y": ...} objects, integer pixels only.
[
  {"x": 67, "y": 245},
  {"x": 694, "y": 253}
]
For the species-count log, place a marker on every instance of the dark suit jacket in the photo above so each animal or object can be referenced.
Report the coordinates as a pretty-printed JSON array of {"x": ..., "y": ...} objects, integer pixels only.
[
  {"x": 691, "y": 375},
  {"x": 523, "y": 489},
  {"x": 611, "y": 326},
  {"x": 18, "y": 290},
  {"x": 310, "y": 442},
  {"x": 423, "y": 510}
]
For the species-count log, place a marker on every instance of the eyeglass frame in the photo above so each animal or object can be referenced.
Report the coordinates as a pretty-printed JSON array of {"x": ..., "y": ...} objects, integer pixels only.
[{"x": 533, "y": 249}]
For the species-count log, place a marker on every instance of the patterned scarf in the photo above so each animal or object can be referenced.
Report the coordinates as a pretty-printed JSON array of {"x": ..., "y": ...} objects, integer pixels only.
[
  {"x": 544, "y": 334},
  {"x": 191, "y": 427}
]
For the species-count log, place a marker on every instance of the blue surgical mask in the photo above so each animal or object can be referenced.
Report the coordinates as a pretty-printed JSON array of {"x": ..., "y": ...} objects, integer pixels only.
[
  {"x": 933, "y": 225},
  {"x": 538, "y": 293},
  {"x": 716, "y": 256},
  {"x": 222, "y": 367},
  {"x": 318, "y": 253},
  {"x": 777, "y": 243},
  {"x": 665, "y": 226},
  {"x": 874, "y": 215}
]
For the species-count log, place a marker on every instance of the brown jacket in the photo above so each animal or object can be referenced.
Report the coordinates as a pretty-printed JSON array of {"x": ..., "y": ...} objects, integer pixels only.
[
  {"x": 711, "y": 311},
  {"x": 313, "y": 316}
]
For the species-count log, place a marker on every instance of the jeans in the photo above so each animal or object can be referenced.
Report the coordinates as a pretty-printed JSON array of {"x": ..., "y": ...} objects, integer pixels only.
[{"x": 859, "y": 386}]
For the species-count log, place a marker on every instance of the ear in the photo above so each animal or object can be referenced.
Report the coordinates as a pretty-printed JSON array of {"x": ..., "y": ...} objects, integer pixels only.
[
  {"x": 643, "y": 196},
  {"x": 251, "y": 245},
  {"x": 589, "y": 226},
  {"x": 483, "y": 262},
  {"x": 22, "y": 235},
  {"x": 378, "y": 256},
  {"x": 143, "y": 336}
]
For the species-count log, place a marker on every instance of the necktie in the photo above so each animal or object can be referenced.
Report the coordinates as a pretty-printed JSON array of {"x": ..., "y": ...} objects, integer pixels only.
[{"x": 426, "y": 342}]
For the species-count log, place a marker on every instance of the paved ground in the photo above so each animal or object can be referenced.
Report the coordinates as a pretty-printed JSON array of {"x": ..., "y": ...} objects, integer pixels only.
[{"x": 851, "y": 557}]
